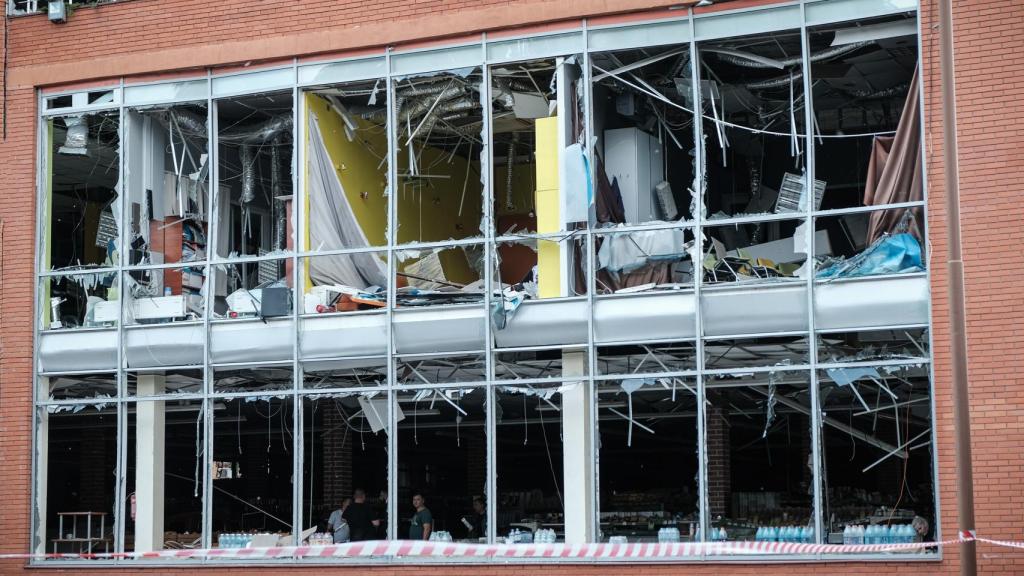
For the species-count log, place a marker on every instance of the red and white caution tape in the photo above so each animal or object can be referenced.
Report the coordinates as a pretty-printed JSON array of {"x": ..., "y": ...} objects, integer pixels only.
[{"x": 378, "y": 549}]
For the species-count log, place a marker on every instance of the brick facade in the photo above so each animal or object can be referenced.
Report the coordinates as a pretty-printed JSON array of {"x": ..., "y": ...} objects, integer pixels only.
[{"x": 147, "y": 37}]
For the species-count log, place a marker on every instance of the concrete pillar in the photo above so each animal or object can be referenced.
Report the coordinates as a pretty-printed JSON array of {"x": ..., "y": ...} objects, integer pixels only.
[
  {"x": 149, "y": 465},
  {"x": 577, "y": 454}
]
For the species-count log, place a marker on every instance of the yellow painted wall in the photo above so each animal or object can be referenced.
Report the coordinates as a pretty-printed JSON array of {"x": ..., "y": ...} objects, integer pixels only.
[
  {"x": 549, "y": 264},
  {"x": 357, "y": 168}
]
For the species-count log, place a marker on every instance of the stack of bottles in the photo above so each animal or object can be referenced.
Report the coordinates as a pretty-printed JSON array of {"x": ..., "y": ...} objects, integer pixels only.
[
  {"x": 321, "y": 539},
  {"x": 440, "y": 536},
  {"x": 234, "y": 540},
  {"x": 719, "y": 535},
  {"x": 517, "y": 536},
  {"x": 799, "y": 534},
  {"x": 670, "y": 534},
  {"x": 878, "y": 534},
  {"x": 545, "y": 536}
]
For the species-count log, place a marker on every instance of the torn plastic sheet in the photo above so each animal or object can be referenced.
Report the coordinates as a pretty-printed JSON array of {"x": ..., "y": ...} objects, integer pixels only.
[
  {"x": 896, "y": 254},
  {"x": 504, "y": 306}
]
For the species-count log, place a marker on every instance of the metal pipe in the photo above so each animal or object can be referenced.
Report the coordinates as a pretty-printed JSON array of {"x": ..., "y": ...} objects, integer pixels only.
[{"x": 955, "y": 295}]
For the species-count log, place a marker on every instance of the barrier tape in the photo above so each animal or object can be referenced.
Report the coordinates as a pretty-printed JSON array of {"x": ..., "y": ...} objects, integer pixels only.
[{"x": 427, "y": 549}]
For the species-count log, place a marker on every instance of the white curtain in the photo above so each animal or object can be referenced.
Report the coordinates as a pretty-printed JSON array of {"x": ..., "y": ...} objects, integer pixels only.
[{"x": 333, "y": 225}]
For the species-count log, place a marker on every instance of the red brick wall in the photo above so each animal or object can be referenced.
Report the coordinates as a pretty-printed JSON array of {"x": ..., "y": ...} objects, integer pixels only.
[{"x": 147, "y": 36}]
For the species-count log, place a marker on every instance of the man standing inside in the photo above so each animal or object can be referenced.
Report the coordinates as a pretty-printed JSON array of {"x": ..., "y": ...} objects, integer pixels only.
[
  {"x": 422, "y": 521},
  {"x": 360, "y": 517}
]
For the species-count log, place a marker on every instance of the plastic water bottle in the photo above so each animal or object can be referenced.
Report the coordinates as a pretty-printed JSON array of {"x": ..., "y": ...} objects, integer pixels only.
[{"x": 807, "y": 535}]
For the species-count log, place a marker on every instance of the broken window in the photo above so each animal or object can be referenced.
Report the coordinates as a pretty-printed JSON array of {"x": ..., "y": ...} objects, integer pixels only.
[
  {"x": 867, "y": 112},
  {"x": 160, "y": 295},
  {"x": 545, "y": 363},
  {"x": 266, "y": 378},
  {"x": 171, "y": 381},
  {"x": 253, "y": 289},
  {"x": 879, "y": 242},
  {"x": 442, "y": 457},
  {"x": 80, "y": 301},
  {"x": 252, "y": 467},
  {"x": 643, "y": 125},
  {"x": 345, "y": 439},
  {"x": 648, "y": 460},
  {"x": 441, "y": 156},
  {"x": 539, "y": 177},
  {"x": 76, "y": 472},
  {"x": 168, "y": 175},
  {"x": 82, "y": 207},
  {"x": 877, "y": 453},
  {"x": 752, "y": 100},
  {"x": 439, "y": 276},
  {"x": 532, "y": 268},
  {"x": 759, "y": 455},
  {"x": 347, "y": 178},
  {"x": 437, "y": 369},
  {"x": 756, "y": 351},
  {"x": 644, "y": 260},
  {"x": 529, "y": 463},
  {"x": 874, "y": 345},
  {"x": 77, "y": 386},
  {"x": 763, "y": 251},
  {"x": 254, "y": 194},
  {"x": 646, "y": 358},
  {"x": 345, "y": 282},
  {"x": 164, "y": 475},
  {"x": 345, "y": 373}
]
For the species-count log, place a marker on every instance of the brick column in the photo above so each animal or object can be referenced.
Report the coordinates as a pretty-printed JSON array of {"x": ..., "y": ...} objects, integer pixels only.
[
  {"x": 336, "y": 461},
  {"x": 96, "y": 471},
  {"x": 476, "y": 467},
  {"x": 719, "y": 482}
]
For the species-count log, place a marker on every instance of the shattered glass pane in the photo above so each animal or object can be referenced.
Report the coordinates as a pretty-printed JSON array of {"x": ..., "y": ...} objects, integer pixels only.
[
  {"x": 160, "y": 382},
  {"x": 345, "y": 282},
  {"x": 441, "y": 156},
  {"x": 345, "y": 373},
  {"x": 440, "y": 276},
  {"x": 648, "y": 459},
  {"x": 860, "y": 97},
  {"x": 644, "y": 261},
  {"x": 756, "y": 352},
  {"x": 894, "y": 344},
  {"x": 347, "y": 161},
  {"x": 414, "y": 371},
  {"x": 752, "y": 106},
  {"x": 83, "y": 211},
  {"x": 643, "y": 124},
  {"x": 72, "y": 386},
  {"x": 80, "y": 301},
  {"x": 255, "y": 379},
  {"x": 655, "y": 357},
  {"x": 168, "y": 175},
  {"x": 772, "y": 251},
  {"x": 877, "y": 449},
  {"x": 254, "y": 289},
  {"x": 537, "y": 364},
  {"x": 161, "y": 295},
  {"x": 253, "y": 202},
  {"x": 760, "y": 464}
]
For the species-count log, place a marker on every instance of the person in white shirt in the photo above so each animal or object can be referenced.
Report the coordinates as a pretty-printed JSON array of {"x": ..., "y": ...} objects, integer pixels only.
[{"x": 337, "y": 523}]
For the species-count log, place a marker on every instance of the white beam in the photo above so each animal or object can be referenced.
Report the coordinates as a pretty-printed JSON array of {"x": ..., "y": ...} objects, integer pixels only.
[
  {"x": 149, "y": 466},
  {"x": 577, "y": 449}
]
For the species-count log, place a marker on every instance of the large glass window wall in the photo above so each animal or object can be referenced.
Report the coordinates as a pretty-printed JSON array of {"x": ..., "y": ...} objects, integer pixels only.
[{"x": 586, "y": 286}]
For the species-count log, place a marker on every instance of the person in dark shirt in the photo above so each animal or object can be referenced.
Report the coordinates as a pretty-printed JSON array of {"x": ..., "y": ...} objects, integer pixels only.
[
  {"x": 360, "y": 517},
  {"x": 476, "y": 523},
  {"x": 422, "y": 522}
]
